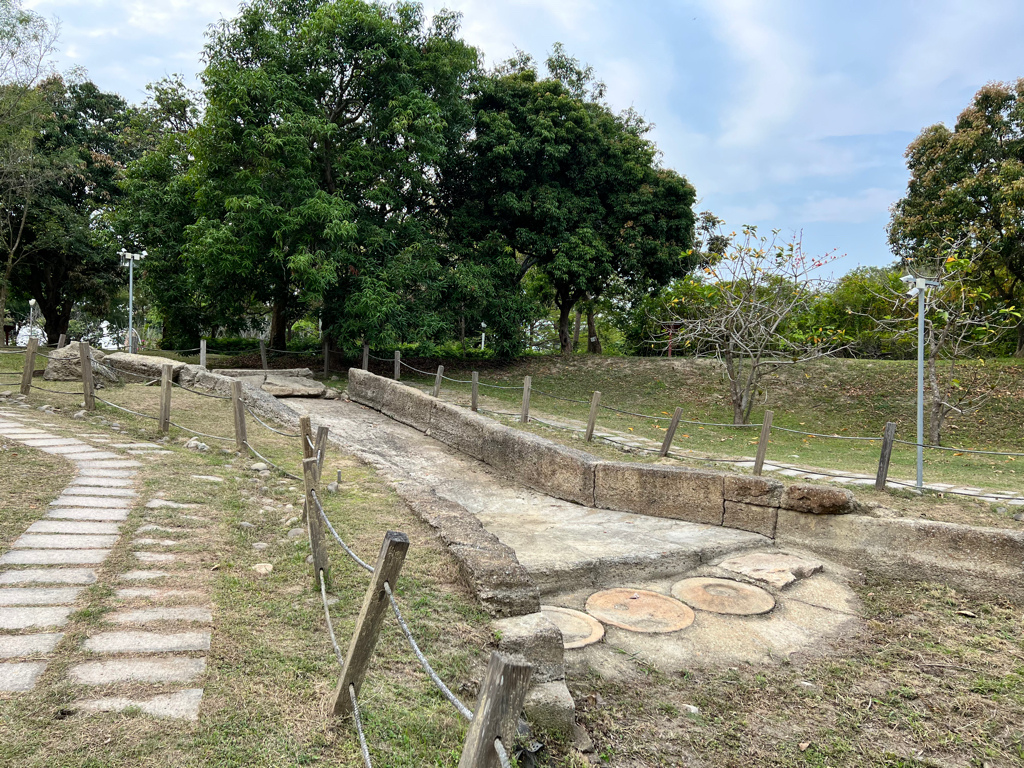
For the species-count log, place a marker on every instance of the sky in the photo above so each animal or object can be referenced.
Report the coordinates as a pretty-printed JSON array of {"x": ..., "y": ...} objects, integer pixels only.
[{"x": 783, "y": 114}]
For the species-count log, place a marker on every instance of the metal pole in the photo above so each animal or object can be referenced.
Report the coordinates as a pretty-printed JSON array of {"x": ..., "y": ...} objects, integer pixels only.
[
  {"x": 131, "y": 298},
  {"x": 920, "y": 383}
]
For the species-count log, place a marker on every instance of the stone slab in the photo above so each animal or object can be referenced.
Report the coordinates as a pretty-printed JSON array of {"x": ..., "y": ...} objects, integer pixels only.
[
  {"x": 73, "y": 526},
  {"x": 134, "y": 445},
  {"x": 774, "y": 568},
  {"x": 50, "y": 442},
  {"x": 84, "y": 513},
  {"x": 137, "y": 593},
  {"x": 49, "y": 576},
  {"x": 696, "y": 496},
  {"x": 54, "y": 556},
  {"x": 167, "y": 504},
  {"x": 137, "y": 671},
  {"x": 39, "y": 596},
  {"x": 13, "y": 646},
  {"x": 85, "y": 490},
  {"x": 93, "y": 472},
  {"x": 180, "y": 705},
  {"x": 64, "y": 541},
  {"x": 177, "y": 613},
  {"x": 154, "y": 542},
  {"x": 98, "y": 502},
  {"x": 139, "y": 575},
  {"x": 750, "y": 517},
  {"x": 20, "y": 675},
  {"x": 100, "y": 482},
  {"x": 111, "y": 465},
  {"x": 154, "y": 557},
  {"x": 155, "y": 527},
  {"x": 25, "y": 618},
  {"x": 208, "y": 478},
  {"x": 147, "y": 642}
]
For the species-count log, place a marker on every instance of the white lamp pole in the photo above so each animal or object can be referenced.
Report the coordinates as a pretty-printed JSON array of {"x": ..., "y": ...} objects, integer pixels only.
[
  {"x": 131, "y": 258},
  {"x": 920, "y": 290}
]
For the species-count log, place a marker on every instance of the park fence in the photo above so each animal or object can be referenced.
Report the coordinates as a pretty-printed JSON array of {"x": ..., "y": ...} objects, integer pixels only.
[{"x": 494, "y": 723}]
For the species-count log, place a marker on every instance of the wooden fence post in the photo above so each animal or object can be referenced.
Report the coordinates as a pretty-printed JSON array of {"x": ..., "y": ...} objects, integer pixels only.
[
  {"x": 474, "y": 401},
  {"x": 371, "y": 615},
  {"x": 30, "y": 365},
  {"x": 165, "y": 397},
  {"x": 888, "y": 437},
  {"x": 317, "y": 545},
  {"x": 524, "y": 416},
  {"x": 88, "y": 388},
  {"x": 398, "y": 365},
  {"x": 595, "y": 403},
  {"x": 62, "y": 341},
  {"x": 762, "y": 443},
  {"x": 263, "y": 354},
  {"x": 202, "y": 354},
  {"x": 498, "y": 705},
  {"x": 366, "y": 357},
  {"x": 239, "y": 410},
  {"x": 437, "y": 380},
  {"x": 670, "y": 435},
  {"x": 306, "y": 436},
  {"x": 327, "y": 357},
  {"x": 320, "y": 450}
]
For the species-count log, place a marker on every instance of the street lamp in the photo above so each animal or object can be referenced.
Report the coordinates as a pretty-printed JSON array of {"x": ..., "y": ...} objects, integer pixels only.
[
  {"x": 130, "y": 259},
  {"x": 919, "y": 287},
  {"x": 32, "y": 310}
]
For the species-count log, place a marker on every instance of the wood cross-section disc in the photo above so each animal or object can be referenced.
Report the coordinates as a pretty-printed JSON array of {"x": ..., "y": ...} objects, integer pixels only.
[
  {"x": 639, "y": 610},
  {"x": 578, "y": 629},
  {"x": 723, "y": 596}
]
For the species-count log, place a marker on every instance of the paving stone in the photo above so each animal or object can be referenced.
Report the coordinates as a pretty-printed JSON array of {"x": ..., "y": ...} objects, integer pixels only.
[
  {"x": 165, "y": 504},
  {"x": 73, "y": 526},
  {"x": 81, "y": 453},
  {"x": 49, "y": 576},
  {"x": 13, "y": 646},
  {"x": 52, "y": 442},
  {"x": 137, "y": 671},
  {"x": 24, "y": 618},
  {"x": 20, "y": 675},
  {"x": 154, "y": 557},
  {"x": 154, "y": 542},
  {"x": 137, "y": 593},
  {"x": 134, "y": 445},
  {"x": 177, "y": 613},
  {"x": 147, "y": 642},
  {"x": 139, "y": 575},
  {"x": 101, "y": 482},
  {"x": 54, "y": 556},
  {"x": 101, "y": 502},
  {"x": 85, "y": 513},
  {"x": 208, "y": 478},
  {"x": 110, "y": 465},
  {"x": 103, "y": 472},
  {"x": 39, "y": 596},
  {"x": 85, "y": 490},
  {"x": 149, "y": 453},
  {"x": 155, "y": 527},
  {"x": 181, "y": 705},
  {"x": 64, "y": 541}
]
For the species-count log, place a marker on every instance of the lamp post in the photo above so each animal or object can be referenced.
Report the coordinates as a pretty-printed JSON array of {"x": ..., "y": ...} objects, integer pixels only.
[
  {"x": 32, "y": 310},
  {"x": 919, "y": 287},
  {"x": 130, "y": 259}
]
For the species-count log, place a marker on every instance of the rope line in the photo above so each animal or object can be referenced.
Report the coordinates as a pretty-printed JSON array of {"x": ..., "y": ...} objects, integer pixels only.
[
  {"x": 559, "y": 397},
  {"x": 457, "y": 381},
  {"x": 201, "y": 394},
  {"x": 815, "y": 434},
  {"x": 327, "y": 615},
  {"x": 958, "y": 450},
  {"x": 55, "y": 391},
  {"x": 201, "y": 434},
  {"x": 126, "y": 410},
  {"x": 261, "y": 421},
  {"x": 359, "y": 726},
  {"x": 502, "y": 754},
  {"x": 425, "y": 373},
  {"x": 463, "y": 710},
  {"x": 268, "y": 461},
  {"x": 334, "y": 533}
]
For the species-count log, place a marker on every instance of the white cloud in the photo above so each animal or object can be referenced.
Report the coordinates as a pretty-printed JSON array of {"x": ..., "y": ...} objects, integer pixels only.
[{"x": 865, "y": 205}]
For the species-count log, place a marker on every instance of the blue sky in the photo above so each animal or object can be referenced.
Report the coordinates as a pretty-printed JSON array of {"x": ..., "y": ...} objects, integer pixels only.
[{"x": 784, "y": 114}]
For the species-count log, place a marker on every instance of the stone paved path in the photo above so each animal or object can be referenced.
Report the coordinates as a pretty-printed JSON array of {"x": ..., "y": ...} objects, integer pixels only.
[{"x": 149, "y": 653}]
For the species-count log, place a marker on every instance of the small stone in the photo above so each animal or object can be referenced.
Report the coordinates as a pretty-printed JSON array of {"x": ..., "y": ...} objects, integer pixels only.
[
  {"x": 259, "y": 466},
  {"x": 208, "y": 478},
  {"x": 691, "y": 709},
  {"x": 196, "y": 445},
  {"x": 332, "y": 487},
  {"x": 263, "y": 569},
  {"x": 79, "y": 414},
  {"x": 246, "y": 525},
  {"x": 291, "y": 520},
  {"x": 260, "y": 545},
  {"x": 296, "y": 533},
  {"x": 309, "y": 559},
  {"x": 1019, "y": 516},
  {"x": 265, "y": 473}
]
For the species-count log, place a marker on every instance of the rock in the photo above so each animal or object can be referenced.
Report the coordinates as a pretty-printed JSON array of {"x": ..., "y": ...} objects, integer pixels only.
[
  {"x": 332, "y": 394},
  {"x": 142, "y": 366},
  {"x": 293, "y": 386},
  {"x": 777, "y": 569},
  {"x": 691, "y": 709},
  {"x": 195, "y": 445},
  {"x": 263, "y": 569},
  {"x": 535, "y": 639},
  {"x": 260, "y": 545},
  {"x": 241, "y": 373},
  {"x": 259, "y": 466},
  {"x": 296, "y": 533},
  {"x": 6, "y": 393},
  {"x": 332, "y": 487},
  {"x": 65, "y": 364},
  {"x": 818, "y": 499},
  {"x": 1019, "y": 516},
  {"x": 550, "y": 707},
  {"x": 245, "y": 526},
  {"x": 581, "y": 739},
  {"x": 79, "y": 414},
  {"x": 265, "y": 473}
]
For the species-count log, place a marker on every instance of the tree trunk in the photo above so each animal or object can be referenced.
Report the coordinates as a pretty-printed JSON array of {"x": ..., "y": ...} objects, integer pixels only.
[
  {"x": 278, "y": 325},
  {"x": 1020, "y": 340},
  {"x": 576, "y": 330},
  {"x": 3, "y": 305},
  {"x": 564, "y": 337},
  {"x": 593, "y": 340}
]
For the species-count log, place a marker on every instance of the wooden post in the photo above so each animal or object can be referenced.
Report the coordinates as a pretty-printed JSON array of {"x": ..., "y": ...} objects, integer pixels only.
[
  {"x": 165, "y": 397},
  {"x": 762, "y": 444},
  {"x": 437, "y": 380},
  {"x": 398, "y": 365},
  {"x": 306, "y": 436},
  {"x": 524, "y": 416},
  {"x": 315, "y": 526},
  {"x": 320, "y": 451},
  {"x": 88, "y": 390},
  {"x": 202, "y": 354},
  {"x": 263, "y": 354},
  {"x": 366, "y": 357},
  {"x": 30, "y": 365},
  {"x": 239, "y": 410},
  {"x": 498, "y": 705},
  {"x": 371, "y": 616},
  {"x": 327, "y": 357},
  {"x": 62, "y": 341},
  {"x": 670, "y": 435},
  {"x": 595, "y": 403},
  {"x": 888, "y": 437},
  {"x": 474, "y": 403}
]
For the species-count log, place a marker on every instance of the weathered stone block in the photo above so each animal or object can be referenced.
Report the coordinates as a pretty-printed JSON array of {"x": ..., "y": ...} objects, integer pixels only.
[
  {"x": 407, "y": 405},
  {"x": 549, "y": 706},
  {"x": 65, "y": 364},
  {"x": 131, "y": 367},
  {"x": 564, "y": 473},
  {"x": 818, "y": 499},
  {"x": 673, "y": 492},
  {"x": 750, "y": 517},
  {"x": 293, "y": 386},
  {"x": 366, "y": 388},
  {"x": 461, "y": 429},
  {"x": 749, "y": 489},
  {"x": 537, "y": 641},
  {"x": 244, "y": 373}
]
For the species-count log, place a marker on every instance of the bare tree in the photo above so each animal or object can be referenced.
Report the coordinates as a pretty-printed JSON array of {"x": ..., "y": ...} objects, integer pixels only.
[{"x": 743, "y": 311}]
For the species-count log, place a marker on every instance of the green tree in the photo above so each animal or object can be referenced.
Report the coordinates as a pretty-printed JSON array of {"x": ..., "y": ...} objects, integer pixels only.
[{"x": 967, "y": 186}]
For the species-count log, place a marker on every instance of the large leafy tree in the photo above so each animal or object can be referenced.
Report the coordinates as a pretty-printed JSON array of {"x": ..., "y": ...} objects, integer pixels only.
[
  {"x": 967, "y": 186},
  {"x": 553, "y": 180}
]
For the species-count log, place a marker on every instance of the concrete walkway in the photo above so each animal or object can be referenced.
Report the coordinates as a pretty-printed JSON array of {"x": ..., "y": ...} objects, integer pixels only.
[{"x": 149, "y": 652}]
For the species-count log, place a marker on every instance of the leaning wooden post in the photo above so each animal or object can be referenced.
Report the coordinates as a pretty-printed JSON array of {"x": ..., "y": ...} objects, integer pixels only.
[
  {"x": 327, "y": 357},
  {"x": 595, "y": 403},
  {"x": 306, "y": 436},
  {"x": 670, "y": 435},
  {"x": 30, "y": 365},
  {"x": 498, "y": 705},
  {"x": 263, "y": 354},
  {"x": 888, "y": 438},
  {"x": 437, "y": 381},
  {"x": 371, "y": 616},
  {"x": 474, "y": 402},
  {"x": 88, "y": 389},
  {"x": 524, "y": 416},
  {"x": 202, "y": 354},
  {"x": 762, "y": 443},
  {"x": 62, "y": 341},
  {"x": 320, "y": 449},
  {"x": 398, "y": 365},
  {"x": 165, "y": 397},
  {"x": 366, "y": 357},
  {"x": 239, "y": 410},
  {"x": 317, "y": 545}
]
